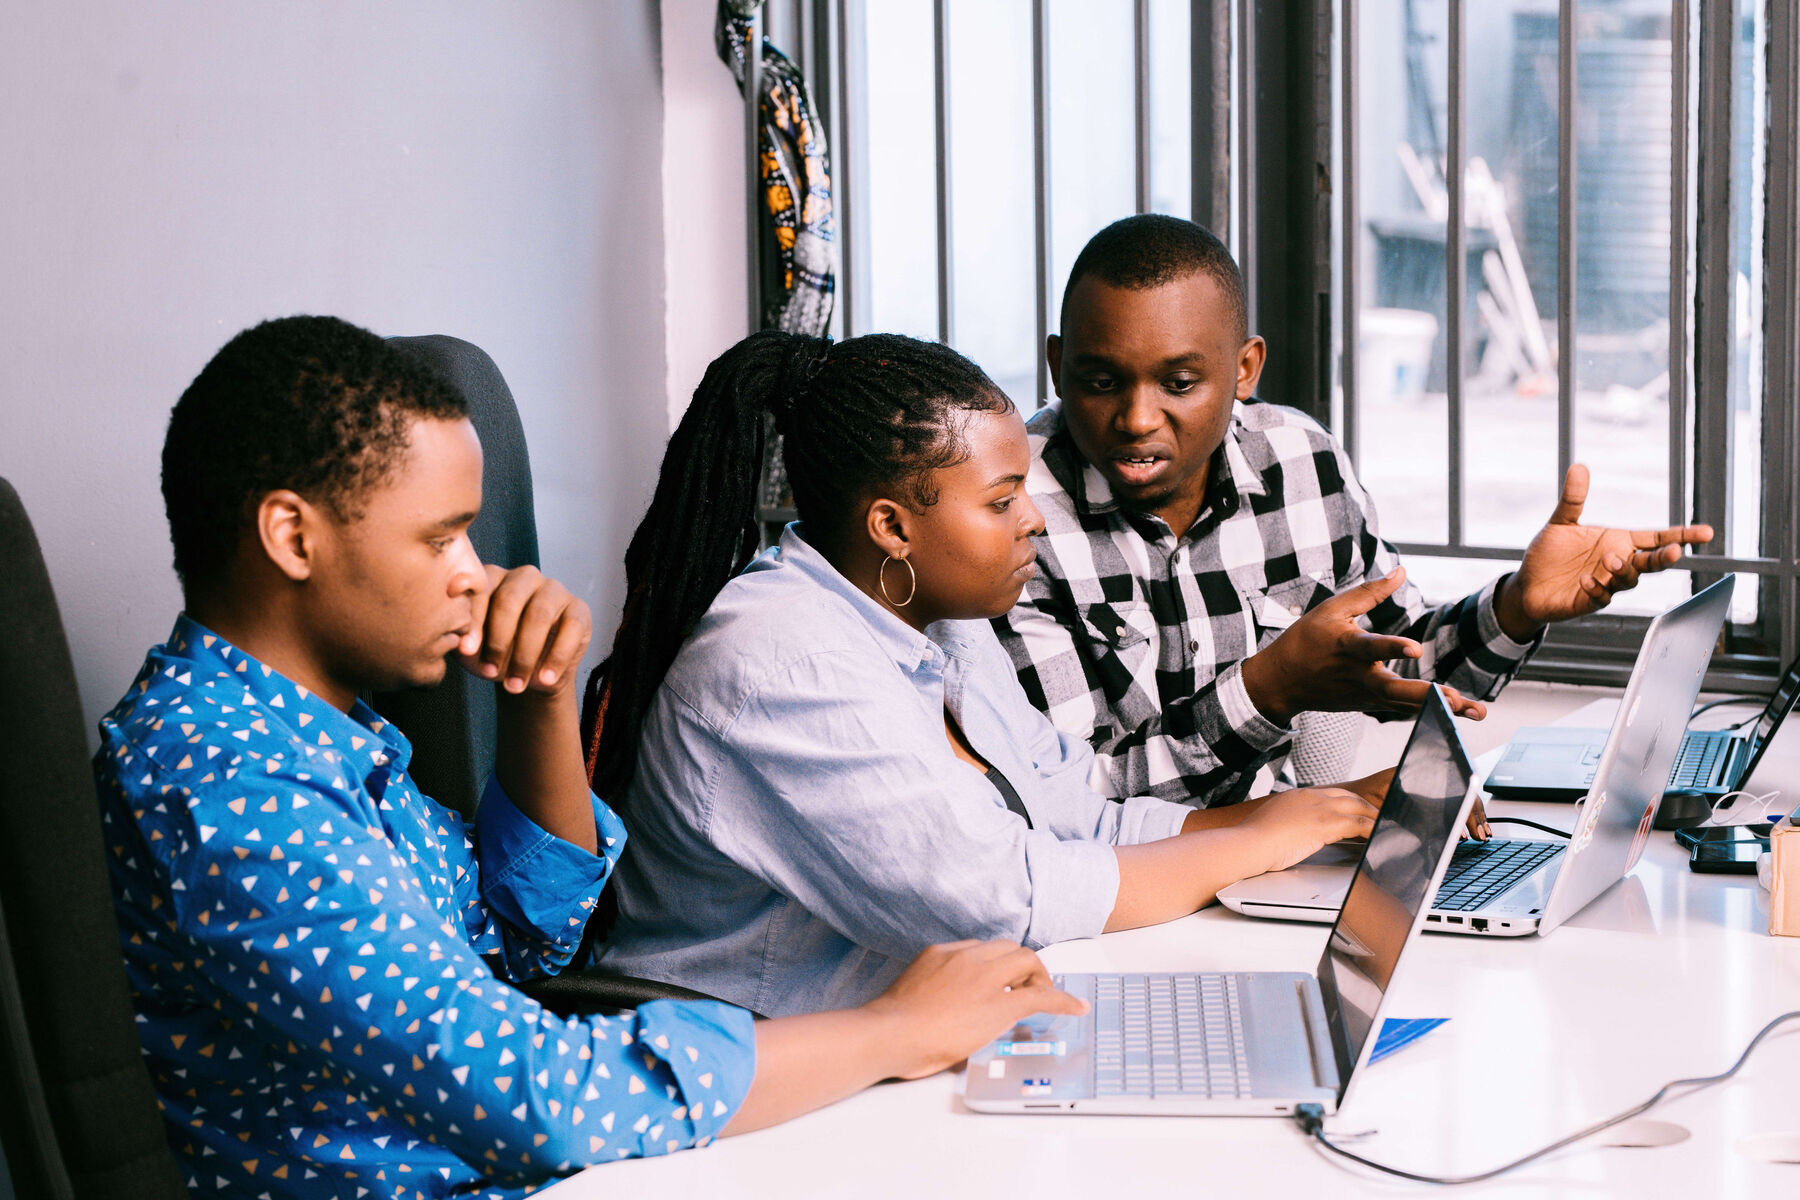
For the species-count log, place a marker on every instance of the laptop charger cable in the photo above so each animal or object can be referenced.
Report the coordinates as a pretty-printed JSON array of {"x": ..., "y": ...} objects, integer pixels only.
[{"x": 1311, "y": 1119}]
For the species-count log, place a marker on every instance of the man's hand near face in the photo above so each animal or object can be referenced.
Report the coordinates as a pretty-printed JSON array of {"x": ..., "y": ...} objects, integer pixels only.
[
  {"x": 1326, "y": 662},
  {"x": 1571, "y": 569},
  {"x": 528, "y": 634}
]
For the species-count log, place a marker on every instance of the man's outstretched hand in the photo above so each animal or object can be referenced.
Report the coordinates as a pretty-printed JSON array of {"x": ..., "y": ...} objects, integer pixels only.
[
  {"x": 1326, "y": 662},
  {"x": 1571, "y": 569}
]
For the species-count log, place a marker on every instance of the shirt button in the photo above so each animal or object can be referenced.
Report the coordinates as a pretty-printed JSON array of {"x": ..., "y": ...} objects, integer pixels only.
[
  {"x": 1193, "y": 647},
  {"x": 379, "y": 758},
  {"x": 1294, "y": 608}
]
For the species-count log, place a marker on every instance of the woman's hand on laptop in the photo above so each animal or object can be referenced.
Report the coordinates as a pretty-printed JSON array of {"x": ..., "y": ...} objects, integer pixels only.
[
  {"x": 1374, "y": 789},
  {"x": 1295, "y": 824}
]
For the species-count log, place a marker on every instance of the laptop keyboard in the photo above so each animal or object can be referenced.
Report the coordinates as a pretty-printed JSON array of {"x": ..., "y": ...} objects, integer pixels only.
[
  {"x": 1169, "y": 1035},
  {"x": 1480, "y": 871},
  {"x": 1698, "y": 763}
]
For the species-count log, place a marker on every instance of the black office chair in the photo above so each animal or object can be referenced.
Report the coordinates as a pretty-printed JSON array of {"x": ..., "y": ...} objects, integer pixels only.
[
  {"x": 78, "y": 1115},
  {"x": 451, "y": 726}
]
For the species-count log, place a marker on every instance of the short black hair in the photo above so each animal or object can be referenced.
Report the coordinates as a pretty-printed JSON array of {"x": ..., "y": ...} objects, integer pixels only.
[
  {"x": 314, "y": 404},
  {"x": 1151, "y": 249}
]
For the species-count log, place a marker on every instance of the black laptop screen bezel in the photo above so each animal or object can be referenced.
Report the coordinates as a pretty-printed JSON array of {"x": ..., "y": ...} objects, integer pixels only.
[{"x": 1433, "y": 722}]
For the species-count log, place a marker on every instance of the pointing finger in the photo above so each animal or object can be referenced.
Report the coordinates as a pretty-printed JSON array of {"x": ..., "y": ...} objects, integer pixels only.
[{"x": 1367, "y": 594}]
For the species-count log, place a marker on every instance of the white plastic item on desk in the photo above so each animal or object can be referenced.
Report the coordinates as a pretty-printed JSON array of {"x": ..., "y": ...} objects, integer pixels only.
[{"x": 1784, "y": 879}]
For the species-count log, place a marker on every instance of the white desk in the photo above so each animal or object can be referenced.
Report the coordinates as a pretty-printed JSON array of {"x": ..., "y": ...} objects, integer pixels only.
[{"x": 1666, "y": 975}]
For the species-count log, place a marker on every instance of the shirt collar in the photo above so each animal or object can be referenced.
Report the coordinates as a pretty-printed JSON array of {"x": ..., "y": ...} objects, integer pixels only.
[
  {"x": 366, "y": 741},
  {"x": 911, "y": 650},
  {"x": 1231, "y": 474}
]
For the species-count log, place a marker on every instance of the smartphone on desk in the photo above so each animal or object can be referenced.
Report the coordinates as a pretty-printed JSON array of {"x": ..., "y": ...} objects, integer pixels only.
[{"x": 1725, "y": 849}]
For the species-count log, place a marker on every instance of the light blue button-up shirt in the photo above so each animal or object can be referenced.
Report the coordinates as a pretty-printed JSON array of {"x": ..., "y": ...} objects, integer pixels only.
[{"x": 801, "y": 828}]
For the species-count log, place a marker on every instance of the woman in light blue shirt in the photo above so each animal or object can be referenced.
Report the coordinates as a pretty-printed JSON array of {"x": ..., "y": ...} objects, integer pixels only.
[{"x": 825, "y": 759}]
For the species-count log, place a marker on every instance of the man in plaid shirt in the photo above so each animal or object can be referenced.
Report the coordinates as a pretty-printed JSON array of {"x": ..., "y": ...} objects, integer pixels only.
[{"x": 1183, "y": 658}]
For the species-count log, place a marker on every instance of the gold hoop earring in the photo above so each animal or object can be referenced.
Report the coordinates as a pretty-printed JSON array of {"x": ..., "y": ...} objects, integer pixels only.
[{"x": 911, "y": 575}]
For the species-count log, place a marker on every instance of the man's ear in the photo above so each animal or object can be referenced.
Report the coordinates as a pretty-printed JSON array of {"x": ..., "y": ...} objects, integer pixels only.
[
  {"x": 888, "y": 523},
  {"x": 288, "y": 529},
  {"x": 1251, "y": 356},
  {"x": 1053, "y": 360}
]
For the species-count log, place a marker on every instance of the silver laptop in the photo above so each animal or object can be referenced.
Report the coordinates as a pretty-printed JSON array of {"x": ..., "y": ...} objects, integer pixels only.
[
  {"x": 1260, "y": 1043},
  {"x": 1514, "y": 887},
  {"x": 1555, "y": 762}
]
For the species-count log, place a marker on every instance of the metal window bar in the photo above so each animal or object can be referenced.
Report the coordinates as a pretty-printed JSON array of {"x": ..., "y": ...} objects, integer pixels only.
[
  {"x": 946, "y": 291},
  {"x": 1140, "y": 95},
  {"x": 1565, "y": 238},
  {"x": 1456, "y": 265},
  {"x": 753, "y": 134},
  {"x": 1714, "y": 282},
  {"x": 1678, "y": 255},
  {"x": 1351, "y": 118},
  {"x": 1781, "y": 410},
  {"x": 1040, "y": 169},
  {"x": 829, "y": 58},
  {"x": 1209, "y": 161},
  {"x": 1246, "y": 152}
]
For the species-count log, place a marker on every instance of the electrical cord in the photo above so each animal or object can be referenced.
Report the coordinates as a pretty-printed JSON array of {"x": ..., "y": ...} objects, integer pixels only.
[
  {"x": 1723, "y": 700},
  {"x": 1311, "y": 1119},
  {"x": 1561, "y": 833}
]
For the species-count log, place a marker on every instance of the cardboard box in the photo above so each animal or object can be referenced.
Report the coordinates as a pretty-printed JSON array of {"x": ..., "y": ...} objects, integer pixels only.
[{"x": 1784, "y": 879}]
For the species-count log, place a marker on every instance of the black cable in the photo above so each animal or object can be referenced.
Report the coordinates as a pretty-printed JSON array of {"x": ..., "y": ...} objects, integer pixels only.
[
  {"x": 1311, "y": 1118},
  {"x": 1712, "y": 704},
  {"x": 1561, "y": 833}
]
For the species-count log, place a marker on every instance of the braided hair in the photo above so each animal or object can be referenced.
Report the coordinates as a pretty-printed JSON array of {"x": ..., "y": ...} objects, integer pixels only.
[{"x": 859, "y": 417}]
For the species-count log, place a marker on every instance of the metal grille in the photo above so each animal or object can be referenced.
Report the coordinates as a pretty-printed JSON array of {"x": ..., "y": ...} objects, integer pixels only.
[{"x": 1241, "y": 139}]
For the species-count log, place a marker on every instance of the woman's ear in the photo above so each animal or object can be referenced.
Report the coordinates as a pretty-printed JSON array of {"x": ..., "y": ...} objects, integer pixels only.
[
  {"x": 288, "y": 528},
  {"x": 887, "y": 522}
]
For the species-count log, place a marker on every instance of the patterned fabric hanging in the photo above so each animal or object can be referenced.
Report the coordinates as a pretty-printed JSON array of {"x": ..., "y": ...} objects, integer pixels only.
[{"x": 794, "y": 169}]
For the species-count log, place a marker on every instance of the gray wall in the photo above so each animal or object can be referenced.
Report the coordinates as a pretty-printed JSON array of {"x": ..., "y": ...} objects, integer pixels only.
[{"x": 175, "y": 173}]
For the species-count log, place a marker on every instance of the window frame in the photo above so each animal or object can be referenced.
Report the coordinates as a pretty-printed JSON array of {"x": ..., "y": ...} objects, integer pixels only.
[{"x": 1289, "y": 148}]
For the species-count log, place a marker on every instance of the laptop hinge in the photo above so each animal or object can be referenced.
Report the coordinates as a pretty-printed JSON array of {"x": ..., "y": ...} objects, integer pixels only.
[{"x": 1318, "y": 1034}]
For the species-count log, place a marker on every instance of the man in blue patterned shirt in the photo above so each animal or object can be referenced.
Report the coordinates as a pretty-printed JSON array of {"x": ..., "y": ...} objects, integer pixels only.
[{"x": 319, "y": 956}]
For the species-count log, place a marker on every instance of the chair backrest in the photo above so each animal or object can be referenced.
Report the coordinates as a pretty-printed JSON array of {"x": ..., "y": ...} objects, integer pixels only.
[
  {"x": 451, "y": 726},
  {"x": 77, "y": 1111}
]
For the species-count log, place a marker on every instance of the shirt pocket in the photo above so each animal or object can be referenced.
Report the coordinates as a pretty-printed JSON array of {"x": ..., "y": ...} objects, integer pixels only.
[
  {"x": 1119, "y": 626},
  {"x": 1273, "y": 611}
]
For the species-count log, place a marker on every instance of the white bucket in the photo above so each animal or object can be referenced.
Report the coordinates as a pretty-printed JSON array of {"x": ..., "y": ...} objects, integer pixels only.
[{"x": 1393, "y": 354}]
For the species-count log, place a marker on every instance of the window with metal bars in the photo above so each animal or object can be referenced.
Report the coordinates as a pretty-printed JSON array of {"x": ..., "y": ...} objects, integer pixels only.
[{"x": 1607, "y": 188}]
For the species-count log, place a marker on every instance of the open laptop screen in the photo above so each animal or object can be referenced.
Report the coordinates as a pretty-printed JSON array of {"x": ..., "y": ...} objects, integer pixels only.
[
  {"x": 1397, "y": 877},
  {"x": 1787, "y": 690}
]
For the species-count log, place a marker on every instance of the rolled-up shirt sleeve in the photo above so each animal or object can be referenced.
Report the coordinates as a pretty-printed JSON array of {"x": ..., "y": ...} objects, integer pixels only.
[
  {"x": 541, "y": 887},
  {"x": 841, "y": 799}
]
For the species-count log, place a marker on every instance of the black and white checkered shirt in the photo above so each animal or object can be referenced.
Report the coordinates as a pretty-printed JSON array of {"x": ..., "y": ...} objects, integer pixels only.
[{"x": 1134, "y": 638}]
